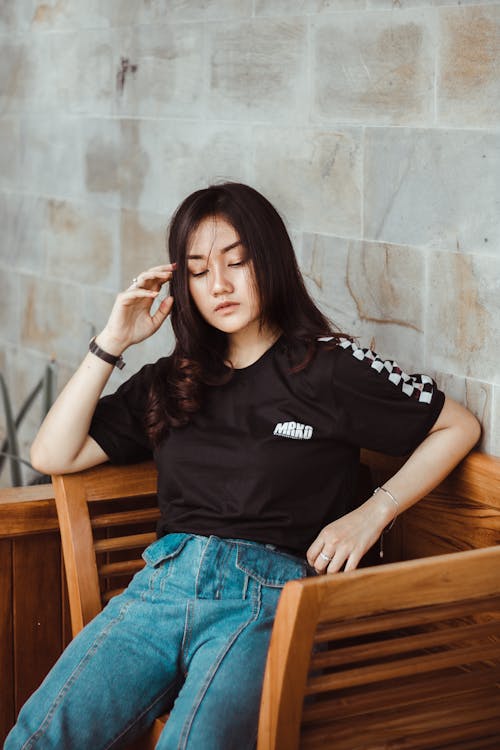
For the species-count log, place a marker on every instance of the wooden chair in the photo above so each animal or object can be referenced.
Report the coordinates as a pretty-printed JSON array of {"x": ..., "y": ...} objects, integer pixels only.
[
  {"x": 107, "y": 516},
  {"x": 405, "y": 655}
]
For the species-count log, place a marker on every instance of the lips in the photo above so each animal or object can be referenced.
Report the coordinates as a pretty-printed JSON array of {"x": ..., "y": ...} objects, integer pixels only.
[{"x": 226, "y": 306}]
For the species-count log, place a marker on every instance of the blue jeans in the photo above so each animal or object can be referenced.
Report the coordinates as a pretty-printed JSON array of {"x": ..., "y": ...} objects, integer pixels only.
[{"x": 190, "y": 634}]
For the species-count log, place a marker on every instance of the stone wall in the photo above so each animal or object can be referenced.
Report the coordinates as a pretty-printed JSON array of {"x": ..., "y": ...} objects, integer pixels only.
[{"x": 373, "y": 125}]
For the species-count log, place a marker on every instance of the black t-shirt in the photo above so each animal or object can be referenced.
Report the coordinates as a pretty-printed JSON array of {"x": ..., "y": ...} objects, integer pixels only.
[{"x": 273, "y": 455}]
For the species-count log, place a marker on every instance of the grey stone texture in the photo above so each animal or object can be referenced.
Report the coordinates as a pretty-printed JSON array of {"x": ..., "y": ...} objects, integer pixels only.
[
  {"x": 374, "y": 68},
  {"x": 464, "y": 311},
  {"x": 327, "y": 161},
  {"x": 370, "y": 290},
  {"x": 433, "y": 188},
  {"x": 468, "y": 80},
  {"x": 373, "y": 125},
  {"x": 256, "y": 69}
]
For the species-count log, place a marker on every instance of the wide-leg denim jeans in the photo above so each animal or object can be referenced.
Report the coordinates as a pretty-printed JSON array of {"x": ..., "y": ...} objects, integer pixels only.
[{"x": 190, "y": 635}]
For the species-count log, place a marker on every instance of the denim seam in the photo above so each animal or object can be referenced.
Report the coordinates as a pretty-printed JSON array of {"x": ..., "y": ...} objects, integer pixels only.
[
  {"x": 73, "y": 676},
  {"x": 211, "y": 674},
  {"x": 139, "y": 717},
  {"x": 200, "y": 566},
  {"x": 186, "y": 637},
  {"x": 166, "y": 575}
]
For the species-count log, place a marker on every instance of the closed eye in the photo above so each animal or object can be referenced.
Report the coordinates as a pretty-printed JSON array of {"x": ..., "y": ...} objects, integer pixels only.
[{"x": 200, "y": 273}]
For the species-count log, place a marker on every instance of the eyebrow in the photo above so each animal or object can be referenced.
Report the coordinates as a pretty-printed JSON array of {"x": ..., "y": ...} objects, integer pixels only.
[{"x": 224, "y": 250}]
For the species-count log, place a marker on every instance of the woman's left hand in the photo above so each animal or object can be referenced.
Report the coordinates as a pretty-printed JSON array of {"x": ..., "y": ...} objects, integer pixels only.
[{"x": 347, "y": 539}]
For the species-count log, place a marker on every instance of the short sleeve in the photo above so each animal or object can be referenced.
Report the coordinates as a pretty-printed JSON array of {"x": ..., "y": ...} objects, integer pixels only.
[
  {"x": 382, "y": 407},
  {"x": 118, "y": 424}
]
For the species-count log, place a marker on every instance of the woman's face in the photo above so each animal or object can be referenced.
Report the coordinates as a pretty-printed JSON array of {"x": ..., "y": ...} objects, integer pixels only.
[{"x": 221, "y": 278}]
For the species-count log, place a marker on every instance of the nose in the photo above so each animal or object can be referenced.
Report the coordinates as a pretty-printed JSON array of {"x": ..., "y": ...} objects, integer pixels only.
[{"x": 219, "y": 281}]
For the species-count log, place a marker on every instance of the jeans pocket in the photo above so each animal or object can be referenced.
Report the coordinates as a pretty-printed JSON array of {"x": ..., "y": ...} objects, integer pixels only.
[
  {"x": 268, "y": 567},
  {"x": 165, "y": 548}
]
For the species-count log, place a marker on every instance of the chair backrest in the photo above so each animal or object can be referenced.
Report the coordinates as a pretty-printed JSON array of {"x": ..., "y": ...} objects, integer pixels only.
[
  {"x": 404, "y": 655},
  {"x": 107, "y": 516}
]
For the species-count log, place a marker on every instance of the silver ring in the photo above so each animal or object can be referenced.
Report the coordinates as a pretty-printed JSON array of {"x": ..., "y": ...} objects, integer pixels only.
[
  {"x": 325, "y": 557},
  {"x": 135, "y": 282}
]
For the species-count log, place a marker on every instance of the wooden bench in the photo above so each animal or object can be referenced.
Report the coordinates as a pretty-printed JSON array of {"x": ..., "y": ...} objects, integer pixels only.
[{"x": 402, "y": 655}]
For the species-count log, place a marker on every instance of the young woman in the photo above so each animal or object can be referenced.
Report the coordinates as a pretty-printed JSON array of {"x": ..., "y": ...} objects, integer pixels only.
[{"x": 255, "y": 422}]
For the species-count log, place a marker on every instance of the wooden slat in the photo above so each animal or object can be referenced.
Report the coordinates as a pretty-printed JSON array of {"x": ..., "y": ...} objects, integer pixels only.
[
  {"x": 121, "y": 568},
  {"x": 79, "y": 557},
  {"x": 338, "y": 655},
  {"x": 109, "y": 482},
  {"x": 122, "y": 518},
  {"x": 124, "y": 542},
  {"x": 401, "y": 668},
  {"x": 437, "y": 722},
  {"x": 27, "y": 510},
  {"x": 37, "y": 611},
  {"x": 107, "y": 595},
  {"x": 378, "y": 623},
  {"x": 412, "y": 583},
  {"x": 7, "y": 704},
  {"x": 407, "y": 692}
]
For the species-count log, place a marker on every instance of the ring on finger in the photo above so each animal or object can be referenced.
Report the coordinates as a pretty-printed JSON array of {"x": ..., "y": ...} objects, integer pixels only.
[
  {"x": 324, "y": 557},
  {"x": 135, "y": 282}
]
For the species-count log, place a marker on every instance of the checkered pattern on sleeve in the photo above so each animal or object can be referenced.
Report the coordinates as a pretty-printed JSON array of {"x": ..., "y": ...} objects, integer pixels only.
[{"x": 418, "y": 387}]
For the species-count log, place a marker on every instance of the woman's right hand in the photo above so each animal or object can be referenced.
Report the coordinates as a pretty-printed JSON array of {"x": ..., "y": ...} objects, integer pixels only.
[{"x": 130, "y": 320}]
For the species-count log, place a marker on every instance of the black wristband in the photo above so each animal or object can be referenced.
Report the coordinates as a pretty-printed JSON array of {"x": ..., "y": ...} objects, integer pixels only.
[{"x": 111, "y": 359}]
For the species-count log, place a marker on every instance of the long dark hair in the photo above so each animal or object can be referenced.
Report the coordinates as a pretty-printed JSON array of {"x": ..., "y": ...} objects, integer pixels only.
[{"x": 198, "y": 360}]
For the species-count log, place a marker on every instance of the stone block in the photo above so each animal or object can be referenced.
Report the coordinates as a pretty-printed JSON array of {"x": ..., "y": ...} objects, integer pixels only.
[
  {"x": 97, "y": 306},
  {"x": 374, "y": 292},
  {"x": 103, "y": 160},
  {"x": 10, "y": 153},
  {"x": 10, "y": 309},
  {"x": 8, "y": 17},
  {"x": 142, "y": 243},
  {"x": 51, "y": 319},
  {"x": 257, "y": 70},
  {"x": 51, "y": 160},
  {"x": 463, "y": 314},
  {"x": 437, "y": 188},
  {"x": 82, "y": 243},
  {"x": 477, "y": 396},
  {"x": 195, "y": 10},
  {"x": 23, "y": 222},
  {"x": 16, "y": 74},
  {"x": 468, "y": 93},
  {"x": 159, "y": 70},
  {"x": 73, "y": 14},
  {"x": 163, "y": 162},
  {"x": 92, "y": 79},
  {"x": 374, "y": 68},
  {"x": 300, "y": 7},
  {"x": 313, "y": 176},
  {"x": 402, "y": 4}
]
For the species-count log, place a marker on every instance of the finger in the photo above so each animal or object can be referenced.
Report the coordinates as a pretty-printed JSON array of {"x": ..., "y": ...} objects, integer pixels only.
[
  {"x": 163, "y": 311},
  {"x": 132, "y": 295},
  {"x": 323, "y": 560},
  {"x": 160, "y": 274},
  {"x": 353, "y": 561},
  {"x": 314, "y": 550},
  {"x": 337, "y": 562}
]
